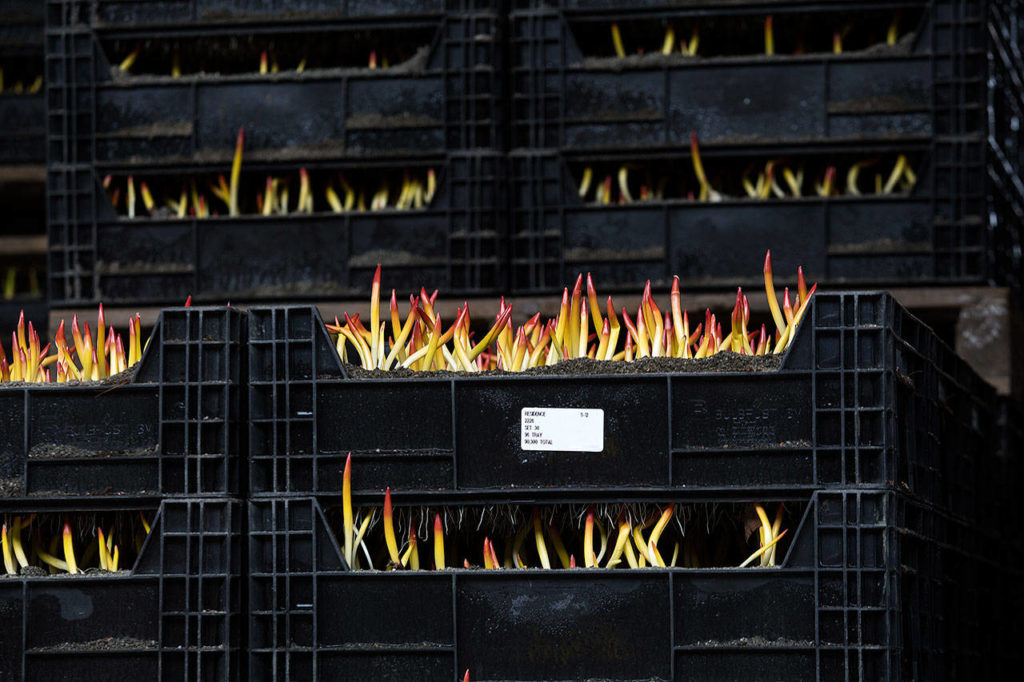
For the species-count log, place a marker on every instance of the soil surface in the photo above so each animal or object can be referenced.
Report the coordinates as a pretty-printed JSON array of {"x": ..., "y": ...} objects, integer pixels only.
[
  {"x": 113, "y": 380},
  {"x": 721, "y": 362},
  {"x": 107, "y": 493},
  {"x": 105, "y": 644},
  {"x": 872, "y": 104},
  {"x": 12, "y": 487},
  {"x": 374, "y": 121},
  {"x": 113, "y": 267},
  {"x": 37, "y": 572},
  {"x": 759, "y": 642}
]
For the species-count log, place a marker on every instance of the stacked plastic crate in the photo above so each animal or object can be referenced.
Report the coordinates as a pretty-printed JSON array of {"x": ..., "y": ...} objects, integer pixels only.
[
  {"x": 849, "y": 138},
  {"x": 374, "y": 133},
  {"x": 879, "y": 443},
  {"x": 123, "y": 536},
  {"x": 371, "y": 135}
]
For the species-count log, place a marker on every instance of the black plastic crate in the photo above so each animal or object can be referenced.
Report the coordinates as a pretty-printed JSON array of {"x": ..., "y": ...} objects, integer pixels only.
[
  {"x": 867, "y": 396},
  {"x": 936, "y": 233},
  {"x": 443, "y": 93},
  {"x": 427, "y": 111},
  {"x": 457, "y": 241},
  {"x": 176, "y": 616},
  {"x": 576, "y": 107},
  {"x": 570, "y": 90},
  {"x": 22, "y": 116},
  {"x": 170, "y": 429},
  {"x": 873, "y": 587}
]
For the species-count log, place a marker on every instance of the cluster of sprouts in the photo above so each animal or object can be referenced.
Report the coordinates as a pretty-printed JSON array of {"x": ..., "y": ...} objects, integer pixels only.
[
  {"x": 688, "y": 44},
  {"x": 776, "y": 178},
  {"x": 558, "y": 536},
  {"x": 40, "y": 544},
  {"x": 580, "y": 330},
  {"x": 83, "y": 360},
  {"x": 276, "y": 196}
]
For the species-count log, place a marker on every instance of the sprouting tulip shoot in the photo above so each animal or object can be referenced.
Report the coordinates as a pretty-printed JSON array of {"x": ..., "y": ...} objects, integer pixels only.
[{"x": 422, "y": 342}]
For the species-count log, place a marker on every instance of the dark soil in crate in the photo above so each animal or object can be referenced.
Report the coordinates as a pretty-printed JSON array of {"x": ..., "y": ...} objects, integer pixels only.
[
  {"x": 118, "y": 379},
  {"x": 726, "y": 361},
  {"x": 37, "y": 572},
  {"x": 105, "y": 644},
  {"x": 12, "y": 487}
]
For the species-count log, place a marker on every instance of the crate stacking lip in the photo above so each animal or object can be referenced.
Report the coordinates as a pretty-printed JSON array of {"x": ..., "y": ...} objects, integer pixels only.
[{"x": 866, "y": 397}]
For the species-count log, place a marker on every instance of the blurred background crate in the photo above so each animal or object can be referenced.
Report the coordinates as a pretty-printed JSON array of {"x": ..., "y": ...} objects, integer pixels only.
[{"x": 377, "y": 96}]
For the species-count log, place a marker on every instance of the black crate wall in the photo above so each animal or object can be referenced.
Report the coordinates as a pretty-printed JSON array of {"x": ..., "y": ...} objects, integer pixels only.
[{"x": 438, "y": 110}]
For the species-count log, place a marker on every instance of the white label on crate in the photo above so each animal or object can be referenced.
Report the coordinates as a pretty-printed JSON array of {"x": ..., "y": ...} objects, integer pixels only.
[{"x": 562, "y": 429}]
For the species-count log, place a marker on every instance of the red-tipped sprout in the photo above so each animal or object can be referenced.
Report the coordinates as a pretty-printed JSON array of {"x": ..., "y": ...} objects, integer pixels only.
[{"x": 438, "y": 543}]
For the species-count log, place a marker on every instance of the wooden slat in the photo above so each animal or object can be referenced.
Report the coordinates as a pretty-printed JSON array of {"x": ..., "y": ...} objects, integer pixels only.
[{"x": 28, "y": 244}]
